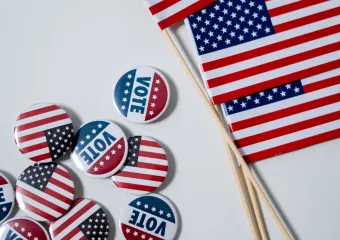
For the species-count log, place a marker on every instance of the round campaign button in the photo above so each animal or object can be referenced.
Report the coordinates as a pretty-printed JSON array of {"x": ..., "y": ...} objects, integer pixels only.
[
  {"x": 23, "y": 228},
  {"x": 100, "y": 148},
  {"x": 6, "y": 198},
  {"x": 43, "y": 132},
  {"x": 149, "y": 217},
  {"x": 45, "y": 191},
  {"x": 145, "y": 168},
  {"x": 142, "y": 94},
  {"x": 85, "y": 220}
]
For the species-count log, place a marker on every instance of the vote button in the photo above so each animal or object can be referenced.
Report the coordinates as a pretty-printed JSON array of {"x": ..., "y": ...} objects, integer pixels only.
[
  {"x": 141, "y": 95},
  {"x": 6, "y": 198}
]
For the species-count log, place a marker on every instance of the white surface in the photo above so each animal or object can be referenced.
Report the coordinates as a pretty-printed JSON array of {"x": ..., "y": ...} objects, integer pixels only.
[{"x": 72, "y": 52}]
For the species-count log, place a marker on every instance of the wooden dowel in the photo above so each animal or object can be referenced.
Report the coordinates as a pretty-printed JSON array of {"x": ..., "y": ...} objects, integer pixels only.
[
  {"x": 228, "y": 141},
  {"x": 257, "y": 210}
]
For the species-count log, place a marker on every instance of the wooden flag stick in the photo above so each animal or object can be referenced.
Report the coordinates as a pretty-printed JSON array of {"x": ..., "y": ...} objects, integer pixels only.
[
  {"x": 246, "y": 190},
  {"x": 228, "y": 141}
]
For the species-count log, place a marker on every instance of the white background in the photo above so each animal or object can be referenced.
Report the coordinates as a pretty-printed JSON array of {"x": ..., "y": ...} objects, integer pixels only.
[{"x": 72, "y": 52}]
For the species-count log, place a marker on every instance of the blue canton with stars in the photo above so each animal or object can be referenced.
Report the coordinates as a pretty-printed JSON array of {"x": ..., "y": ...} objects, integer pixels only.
[
  {"x": 263, "y": 98},
  {"x": 87, "y": 133},
  {"x": 123, "y": 91},
  {"x": 226, "y": 24},
  {"x": 154, "y": 206}
]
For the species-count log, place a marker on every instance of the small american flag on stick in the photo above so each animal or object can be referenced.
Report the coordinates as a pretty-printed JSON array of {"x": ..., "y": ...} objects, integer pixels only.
[
  {"x": 169, "y": 12},
  {"x": 246, "y": 46}
]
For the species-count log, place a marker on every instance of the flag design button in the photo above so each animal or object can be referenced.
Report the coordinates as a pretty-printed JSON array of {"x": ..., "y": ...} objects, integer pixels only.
[
  {"x": 145, "y": 168},
  {"x": 45, "y": 191},
  {"x": 150, "y": 217},
  {"x": 43, "y": 132},
  {"x": 141, "y": 95},
  {"x": 23, "y": 228},
  {"x": 85, "y": 220},
  {"x": 6, "y": 198},
  {"x": 100, "y": 148}
]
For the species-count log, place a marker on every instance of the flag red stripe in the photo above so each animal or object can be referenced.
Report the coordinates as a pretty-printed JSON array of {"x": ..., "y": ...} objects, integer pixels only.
[
  {"x": 249, "y": 72},
  {"x": 40, "y": 200},
  {"x": 73, "y": 218},
  {"x": 63, "y": 173},
  {"x": 270, "y": 48},
  {"x": 42, "y": 122},
  {"x": 152, "y": 155},
  {"x": 71, "y": 234},
  {"x": 289, "y": 147},
  {"x": 130, "y": 236},
  {"x": 83, "y": 238},
  {"x": 38, "y": 111},
  {"x": 62, "y": 185},
  {"x": 140, "y": 176},
  {"x": 285, "y": 112},
  {"x": 321, "y": 84},
  {"x": 135, "y": 186},
  {"x": 31, "y": 137},
  {"x": 34, "y": 147},
  {"x": 307, "y": 20},
  {"x": 39, "y": 212},
  {"x": 159, "y": 7},
  {"x": 275, "y": 82},
  {"x": 150, "y": 143},
  {"x": 152, "y": 166},
  {"x": 183, "y": 13},
  {"x": 261, "y": 137},
  {"x": 58, "y": 196},
  {"x": 41, "y": 157},
  {"x": 293, "y": 7}
]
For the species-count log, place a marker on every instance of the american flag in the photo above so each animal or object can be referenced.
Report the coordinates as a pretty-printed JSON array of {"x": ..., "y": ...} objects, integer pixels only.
[
  {"x": 85, "y": 220},
  {"x": 145, "y": 168},
  {"x": 6, "y": 198},
  {"x": 169, "y": 12},
  {"x": 45, "y": 192},
  {"x": 100, "y": 148},
  {"x": 43, "y": 132},
  {"x": 286, "y": 118},
  {"x": 245, "y": 46},
  {"x": 23, "y": 229}
]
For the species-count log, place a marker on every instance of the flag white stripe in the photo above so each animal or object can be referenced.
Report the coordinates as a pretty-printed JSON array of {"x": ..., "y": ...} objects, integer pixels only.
[
  {"x": 136, "y": 181},
  {"x": 37, "y": 152},
  {"x": 62, "y": 179},
  {"x": 289, "y": 138},
  {"x": 151, "y": 149},
  {"x": 35, "y": 107},
  {"x": 42, "y": 195},
  {"x": 153, "y": 161},
  {"x": 23, "y": 199},
  {"x": 307, "y": 11},
  {"x": 277, "y": 55},
  {"x": 150, "y": 3},
  {"x": 285, "y": 121},
  {"x": 168, "y": 12},
  {"x": 79, "y": 220},
  {"x": 78, "y": 236},
  {"x": 319, "y": 77},
  {"x": 279, "y": 37},
  {"x": 277, "y": 3},
  {"x": 75, "y": 209},
  {"x": 39, "y": 117},
  {"x": 144, "y": 171},
  {"x": 32, "y": 142},
  {"x": 251, "y": 113},
  {"x": 279, "y": 72},
  {"x": 43, "y": 127},
  {"x": 60, "y": 190}
]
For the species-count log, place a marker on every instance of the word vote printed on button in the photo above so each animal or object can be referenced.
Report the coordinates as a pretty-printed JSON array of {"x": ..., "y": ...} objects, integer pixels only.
[{"x": 141, "y": 95}]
